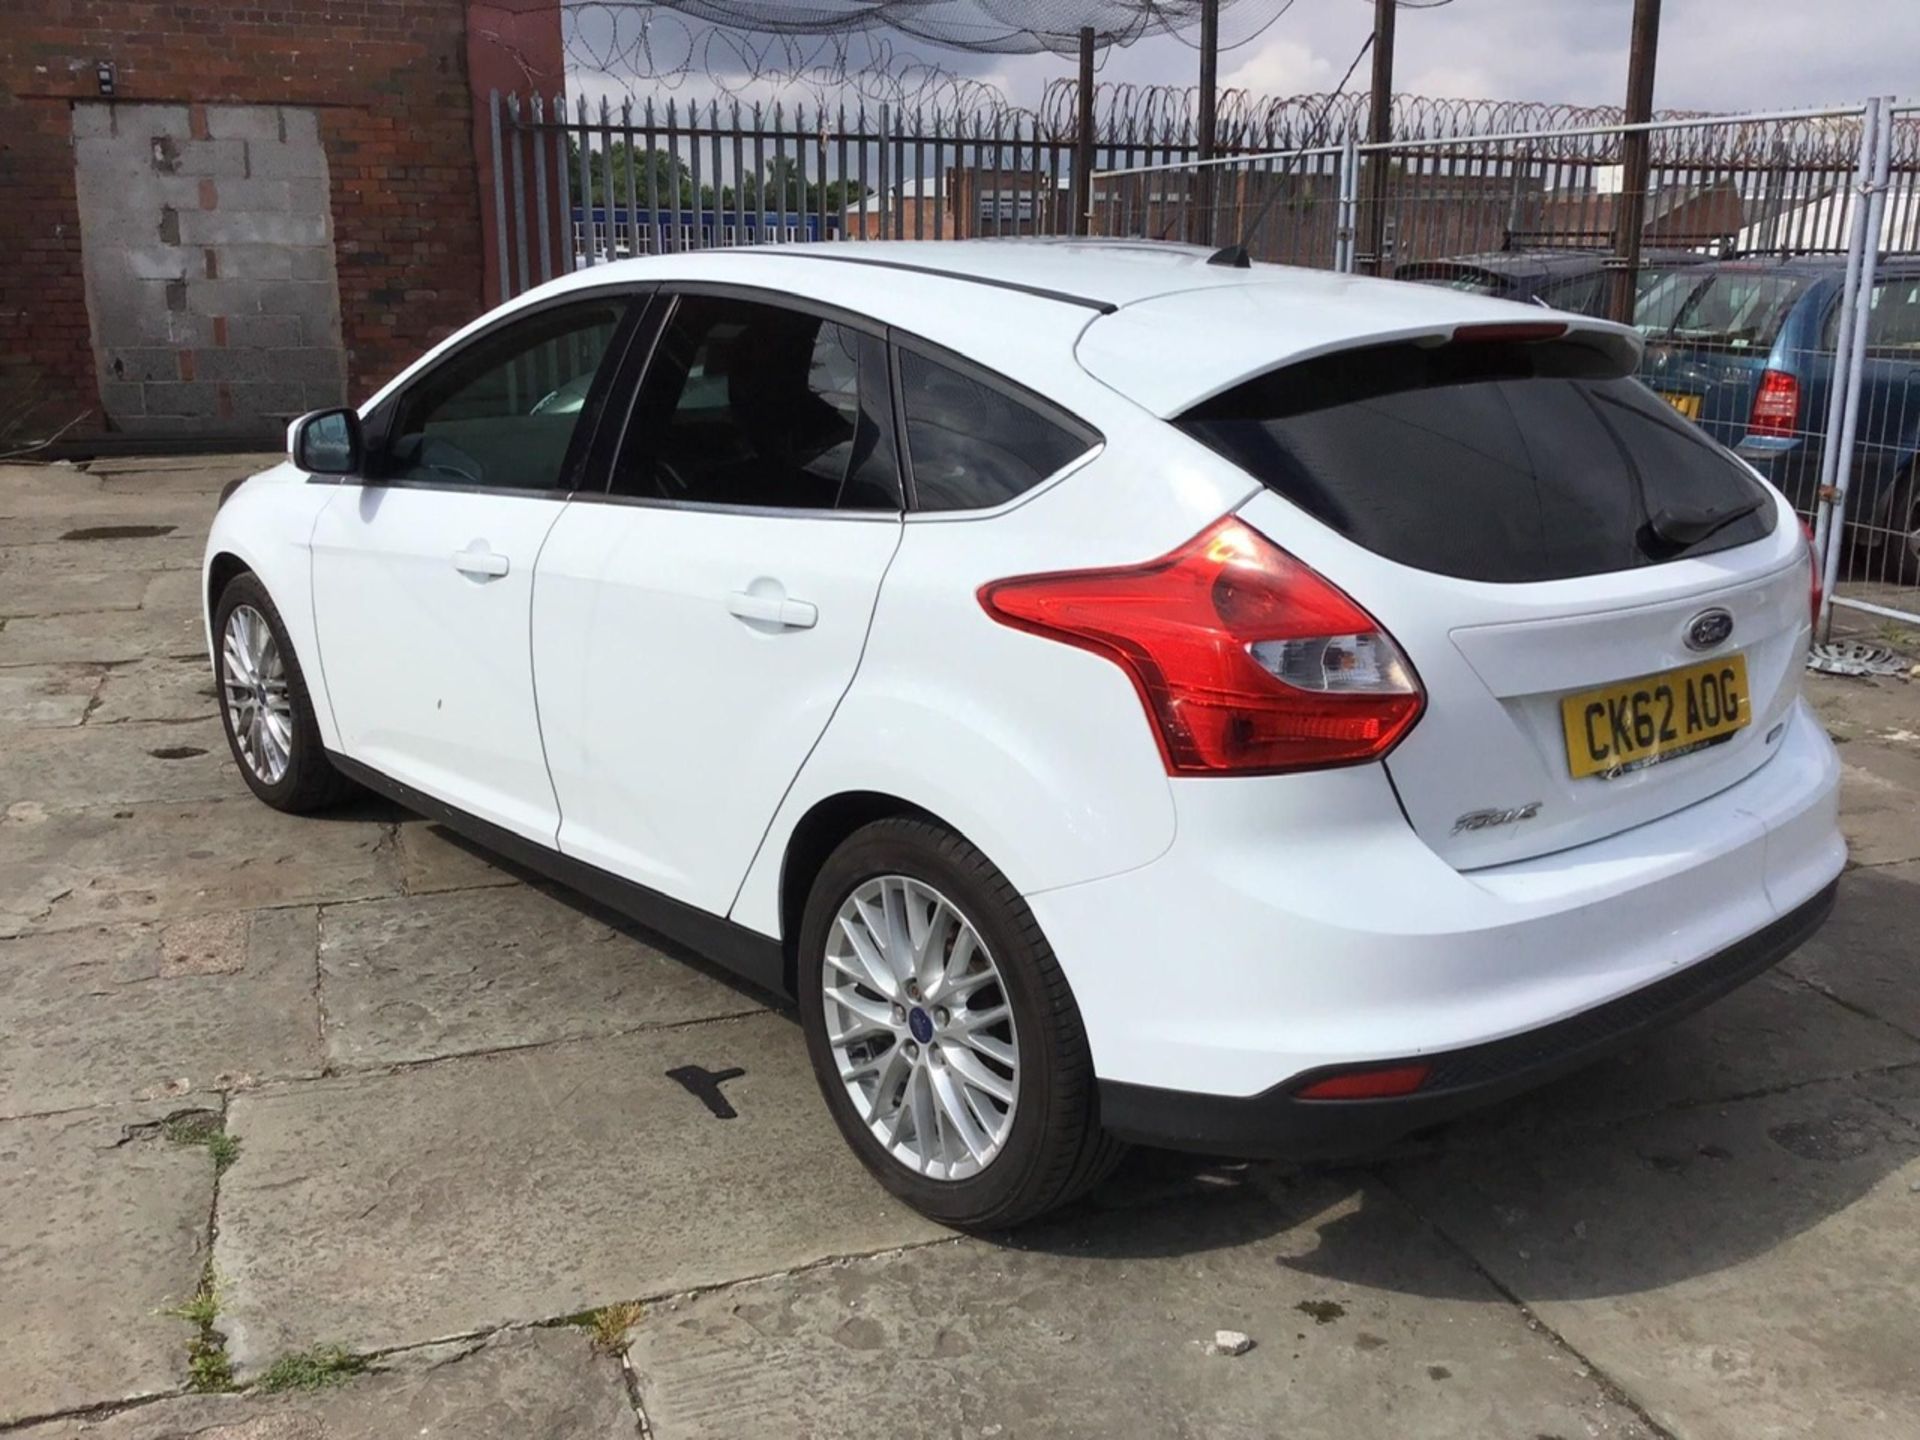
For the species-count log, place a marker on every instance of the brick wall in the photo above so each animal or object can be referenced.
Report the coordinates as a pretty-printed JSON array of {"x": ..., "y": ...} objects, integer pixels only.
[{"x": 387, "y": 82}]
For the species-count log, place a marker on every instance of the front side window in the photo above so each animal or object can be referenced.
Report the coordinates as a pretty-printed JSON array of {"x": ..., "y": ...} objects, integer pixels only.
[
  {"x": 972, "y": 445},
  {"x": 501, "y": 412},
  {"x": 754, "y": 405}
]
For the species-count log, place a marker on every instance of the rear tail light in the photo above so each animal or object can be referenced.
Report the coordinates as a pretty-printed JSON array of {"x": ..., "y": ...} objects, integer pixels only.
[
  {"x": 1247, "y": 661},
  {"x": 1776, "y": 405},
  {"x": 1816, "y": 588},
  {"x": 1377, "y": 1084}
]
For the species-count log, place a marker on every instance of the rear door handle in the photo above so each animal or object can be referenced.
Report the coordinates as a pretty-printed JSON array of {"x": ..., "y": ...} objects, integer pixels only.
[
  {"x": 484, "y": 563},
  {"x": 773, "y": 610}
]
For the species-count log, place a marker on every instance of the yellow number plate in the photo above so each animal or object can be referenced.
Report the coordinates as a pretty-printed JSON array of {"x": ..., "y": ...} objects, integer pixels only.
[
  {"x": 1641, "y": 722},
  {"x": 1687, "y": 405}
]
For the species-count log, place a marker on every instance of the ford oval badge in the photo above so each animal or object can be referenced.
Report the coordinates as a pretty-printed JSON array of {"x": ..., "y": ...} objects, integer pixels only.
[{"x": 1708, "y": 629}]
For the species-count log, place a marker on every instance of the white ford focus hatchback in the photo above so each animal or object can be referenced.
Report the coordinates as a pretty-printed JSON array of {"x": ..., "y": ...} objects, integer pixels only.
[{"x": 1116, "y": 696}]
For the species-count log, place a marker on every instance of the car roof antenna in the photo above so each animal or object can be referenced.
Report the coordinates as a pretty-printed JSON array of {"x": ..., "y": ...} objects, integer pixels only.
[{"x": 1234, "y": 257}]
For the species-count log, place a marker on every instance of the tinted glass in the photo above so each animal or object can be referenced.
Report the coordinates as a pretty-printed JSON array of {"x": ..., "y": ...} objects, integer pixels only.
[
  {"x": 1489, "y": 462},
  {"x": 750, "y": 404},
  {"x": 972, "y": 444},
  {"x": 502, "y": 411},
  {"x": 1727, "y": 309},
  {"x": 1893, "y": 327}
]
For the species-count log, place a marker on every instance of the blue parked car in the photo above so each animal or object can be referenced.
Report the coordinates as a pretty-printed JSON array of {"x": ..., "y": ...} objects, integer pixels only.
[{"x": 1746, "y": 349}]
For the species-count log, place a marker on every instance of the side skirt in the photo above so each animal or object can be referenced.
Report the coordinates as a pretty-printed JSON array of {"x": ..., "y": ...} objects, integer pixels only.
[{"x": 755, "y": 958}]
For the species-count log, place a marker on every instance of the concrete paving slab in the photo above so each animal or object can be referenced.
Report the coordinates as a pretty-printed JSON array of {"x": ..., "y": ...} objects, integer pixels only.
[
  {"x": 139, "y": 468},
  {"x": 46, "y": 695},
  {"x": 151, "y": 1011},
  {"x": 71, "y": 591},
  {"x": 63, "y": 869},
  {"x": 1745, "y": 1271},
  {"x": 173, "y": 590},
  {"x": 1768, "y": 1034},
  {"x": 523, "y": 1384},
  {"x": 27, "y": 526},
  {"x": 208, "y": 476},
  {"x": 91, "y": 764},
  {"x": 1878, "y": 786},
  {"x": 1868, "y": 954},
  {"x": 1099, "y": 1327},
  {"x": 165, "y": 688},
  {"x": 420, "y": 977},
  {"x": 165, "y": 552},
  {"x": 390, "y": 1210},
  {"x": 433, "y": 858},
  {"x": 1866, "y": 710},
  {"x": 98, "y": 636},
  {"x": 55, "y": 481},
  {"x": 105, "y": 1225}
]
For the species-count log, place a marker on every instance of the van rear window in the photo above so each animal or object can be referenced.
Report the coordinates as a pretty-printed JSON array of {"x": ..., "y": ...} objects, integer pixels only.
[{"x": 1497, "y": 462}]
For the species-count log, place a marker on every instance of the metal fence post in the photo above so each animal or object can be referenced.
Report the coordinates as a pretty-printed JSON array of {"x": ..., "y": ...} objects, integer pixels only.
[
  {"x": 499, "y": 191},
  {"x": 1838, "y": 387},
  {"x": 1344, "y": 236},
  {"x": 1857, "y": 355}
]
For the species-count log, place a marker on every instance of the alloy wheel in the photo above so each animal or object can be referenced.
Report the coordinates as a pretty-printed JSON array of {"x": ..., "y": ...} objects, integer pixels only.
[
  {"x": 259, "y": 711},
  {"x": 920, "y": 1028}
]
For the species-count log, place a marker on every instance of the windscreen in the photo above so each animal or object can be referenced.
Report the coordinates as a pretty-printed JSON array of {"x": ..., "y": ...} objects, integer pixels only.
[{"x": 1500, "y": 462}]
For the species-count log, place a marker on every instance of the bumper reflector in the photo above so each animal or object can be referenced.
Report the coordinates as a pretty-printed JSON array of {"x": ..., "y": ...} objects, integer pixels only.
[{"x": 1368, "y": 1084}]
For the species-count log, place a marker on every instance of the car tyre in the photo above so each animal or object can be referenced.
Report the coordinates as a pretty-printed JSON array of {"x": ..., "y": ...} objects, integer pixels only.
[
  {"x": 1051, "y": 1148},
  {"x": 265, "y": 707}
]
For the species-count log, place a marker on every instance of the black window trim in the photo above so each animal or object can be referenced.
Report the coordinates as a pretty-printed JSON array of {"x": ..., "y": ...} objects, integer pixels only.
[
  {"x": 377, "y": 422},
  {"x": 1049, "y": 410},
  {"x": 637, "y": 367}
]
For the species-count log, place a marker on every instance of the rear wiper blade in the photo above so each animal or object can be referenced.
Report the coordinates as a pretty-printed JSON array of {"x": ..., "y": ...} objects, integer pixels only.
[{"x": 1684, "y": 526}]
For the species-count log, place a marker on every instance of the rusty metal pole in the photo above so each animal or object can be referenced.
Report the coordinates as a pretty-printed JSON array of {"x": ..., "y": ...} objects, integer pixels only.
[
  {"x": 1083, "y": 140},
  {"x": 1373, "y": 228},
  {"x": 1630, "y": 214},
  {"x": 1209, "y": 117}
]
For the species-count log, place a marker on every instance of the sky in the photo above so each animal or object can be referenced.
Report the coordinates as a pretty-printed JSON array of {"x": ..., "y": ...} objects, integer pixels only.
[{"x": 1714, "y": 54}]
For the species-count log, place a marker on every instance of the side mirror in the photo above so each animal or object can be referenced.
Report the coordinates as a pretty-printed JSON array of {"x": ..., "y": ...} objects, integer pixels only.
[{"x": 326, "y": 442}]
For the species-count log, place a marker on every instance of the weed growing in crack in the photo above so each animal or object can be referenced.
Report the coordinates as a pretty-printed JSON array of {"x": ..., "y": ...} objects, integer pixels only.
[
  {"x": 202, "y": 1127},
  {"x": 208, "y": 1367},
  {"x": 313, "y": 1369},
  {"x": 608, "y": 1326}
]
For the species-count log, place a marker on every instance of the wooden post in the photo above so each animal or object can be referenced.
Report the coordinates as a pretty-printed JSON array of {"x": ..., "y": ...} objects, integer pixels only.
[
  {"x": 1083, "y": 139},
  {"x": 1629, "y": 215}
]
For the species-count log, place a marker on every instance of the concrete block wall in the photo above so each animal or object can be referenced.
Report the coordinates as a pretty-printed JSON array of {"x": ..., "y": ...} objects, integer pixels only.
[{"x": 207, "y": 244}]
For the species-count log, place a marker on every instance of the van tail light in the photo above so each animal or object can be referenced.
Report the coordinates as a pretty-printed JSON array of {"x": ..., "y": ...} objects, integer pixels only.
[
  {"x": 1248, "y": 663},
  {"x": 1776, "y": 405},
  {"x": 1817, "y": 588}
]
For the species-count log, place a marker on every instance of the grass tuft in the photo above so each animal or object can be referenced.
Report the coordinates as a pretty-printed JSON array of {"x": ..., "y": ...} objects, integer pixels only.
[
  {"x": 208, "y": 1367},
  {"x": 608, "y": 1325},
  {"x": 313, "y": 1369}
]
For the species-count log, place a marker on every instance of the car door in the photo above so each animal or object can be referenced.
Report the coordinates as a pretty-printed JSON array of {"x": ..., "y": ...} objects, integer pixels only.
[
  {"x": 694, "y": 631},
  {"x": 423, "y": 568}
]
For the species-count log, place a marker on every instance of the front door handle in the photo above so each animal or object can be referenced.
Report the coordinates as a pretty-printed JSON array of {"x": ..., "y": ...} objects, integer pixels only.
[
  {"x": 773, "y": 610},
  {"x": 482, "y": 563}
]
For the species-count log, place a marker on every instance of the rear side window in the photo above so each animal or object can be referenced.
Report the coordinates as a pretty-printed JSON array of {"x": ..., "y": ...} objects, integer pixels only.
[
  {"x": 1893, "y": 325},
  {"x": 972, "y": 444},
  {"x": 1725, "y": 310},
  {"x": 758, "y": 406},
  {"x": 1490, "y": 462}
]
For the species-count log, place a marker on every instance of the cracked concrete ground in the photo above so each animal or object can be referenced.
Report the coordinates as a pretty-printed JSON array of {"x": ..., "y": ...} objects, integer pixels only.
[{"x": 386, "y": 1096}]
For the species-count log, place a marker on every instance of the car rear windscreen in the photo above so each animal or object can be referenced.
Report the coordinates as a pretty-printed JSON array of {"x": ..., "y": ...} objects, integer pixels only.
[{"x": 1499, "y": 462}]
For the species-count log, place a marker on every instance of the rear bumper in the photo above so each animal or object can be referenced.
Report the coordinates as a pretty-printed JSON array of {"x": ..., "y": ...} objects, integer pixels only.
[
  {"x": 1278, "y": 1122},
  {"x": 1298, "y": 926}
]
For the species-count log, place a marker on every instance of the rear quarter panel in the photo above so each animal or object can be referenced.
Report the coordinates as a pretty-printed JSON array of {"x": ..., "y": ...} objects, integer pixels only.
[{"x": 1038, "y": 753}]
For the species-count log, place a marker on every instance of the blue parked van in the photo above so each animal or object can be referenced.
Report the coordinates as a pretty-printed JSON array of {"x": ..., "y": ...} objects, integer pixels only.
[{"x": 1746, "y": 348}]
